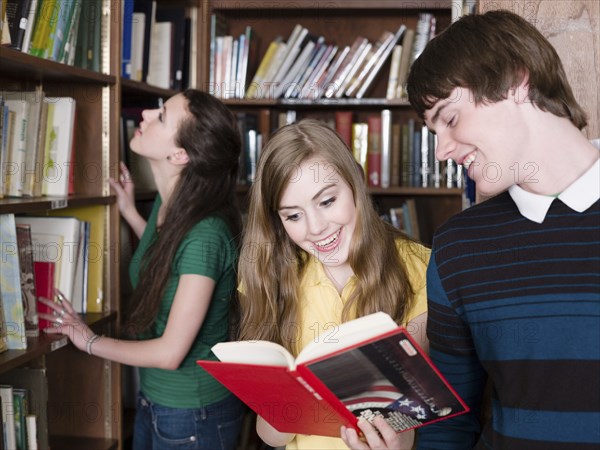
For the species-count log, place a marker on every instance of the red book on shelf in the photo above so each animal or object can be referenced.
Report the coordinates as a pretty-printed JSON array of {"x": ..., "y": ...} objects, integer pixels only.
[
  {"x": 44, "y": 287},
  {"x": 365, "y": 368},
  {"x": 343, "y": 125}
]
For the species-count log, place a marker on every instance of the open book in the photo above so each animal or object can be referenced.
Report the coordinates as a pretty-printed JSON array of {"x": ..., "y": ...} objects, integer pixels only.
[{"x": 366, "y": 367}]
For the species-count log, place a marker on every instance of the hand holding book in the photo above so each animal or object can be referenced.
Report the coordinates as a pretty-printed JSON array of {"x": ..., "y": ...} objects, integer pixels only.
[{"x": 368, "y": 368}]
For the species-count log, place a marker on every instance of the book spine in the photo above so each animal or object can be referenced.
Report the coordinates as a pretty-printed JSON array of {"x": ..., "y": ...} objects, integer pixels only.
[{"x": 386, "y": 147}]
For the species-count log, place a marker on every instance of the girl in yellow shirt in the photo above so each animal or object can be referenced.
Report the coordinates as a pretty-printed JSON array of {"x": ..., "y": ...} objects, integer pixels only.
[{"x": 316, "y": 254}]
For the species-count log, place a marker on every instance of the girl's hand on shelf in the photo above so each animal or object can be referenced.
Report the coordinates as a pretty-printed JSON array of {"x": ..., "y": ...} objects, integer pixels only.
[
  {"x": 66, "y": 321},
  {"x": 124, "y": 189}
]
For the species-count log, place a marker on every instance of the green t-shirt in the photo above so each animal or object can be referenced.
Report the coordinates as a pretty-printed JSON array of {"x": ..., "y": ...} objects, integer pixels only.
[{"x": 208, "y": 249}]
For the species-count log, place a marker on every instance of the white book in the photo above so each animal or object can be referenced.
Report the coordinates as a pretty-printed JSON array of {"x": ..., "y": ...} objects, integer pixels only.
[
  {"x": 377, "y": 66},
  {"x": 231, "y": 89},
  {"x": 294, "y": 47},
  {"x": 137, "y": 45},
  {"x": 31, "y": 426},
  {"x": 57, "y": 239},
  {"x": 394, "y": 67},
  {"x": 8, "y": 416},
  {"x": 15, "y": 163},
  {"x": 58, "y": 153},
  {"x": 353, "y": 70},
  {"x": 386, "y": 147},
  {"x": 159, "y": 65}
]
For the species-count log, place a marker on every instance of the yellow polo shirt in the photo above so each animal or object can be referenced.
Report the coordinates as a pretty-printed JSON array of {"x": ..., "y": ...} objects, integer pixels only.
[{"x": 321, "y": 311}]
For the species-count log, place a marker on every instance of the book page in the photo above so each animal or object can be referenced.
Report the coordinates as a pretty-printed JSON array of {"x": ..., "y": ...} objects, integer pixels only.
[
  {"x": 348, "y": 334},
  {"x": 390, "y": 378},
  {"x": 263, "y": 353}
]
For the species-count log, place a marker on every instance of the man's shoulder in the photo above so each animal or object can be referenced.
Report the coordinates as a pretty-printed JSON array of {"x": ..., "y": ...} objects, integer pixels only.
[{"x": 488, "y": 214}]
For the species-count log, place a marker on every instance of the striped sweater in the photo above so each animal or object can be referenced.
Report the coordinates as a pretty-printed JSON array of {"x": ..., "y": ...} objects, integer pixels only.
[{"x": 518, "y": 302}]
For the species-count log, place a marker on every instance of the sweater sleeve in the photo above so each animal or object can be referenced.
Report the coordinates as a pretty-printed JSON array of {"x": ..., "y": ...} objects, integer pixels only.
[{"x": 453, "y": 352}]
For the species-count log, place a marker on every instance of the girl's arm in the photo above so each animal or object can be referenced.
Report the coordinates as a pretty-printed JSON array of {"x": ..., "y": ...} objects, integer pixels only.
[
  {"x": 187, "y": 314},
  {"x": 270, "y": 435}
]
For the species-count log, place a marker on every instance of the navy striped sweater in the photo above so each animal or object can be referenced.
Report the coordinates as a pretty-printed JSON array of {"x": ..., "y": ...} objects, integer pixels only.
[{"x": 518, "y": 302}]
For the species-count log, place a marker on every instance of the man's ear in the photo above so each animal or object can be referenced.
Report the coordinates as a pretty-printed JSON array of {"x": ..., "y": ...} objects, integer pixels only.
[{"x": 179, "y": 157}]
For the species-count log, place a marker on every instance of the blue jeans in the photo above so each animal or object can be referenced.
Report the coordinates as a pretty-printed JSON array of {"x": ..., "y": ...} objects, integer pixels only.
[{"x": 214, "y": 427}]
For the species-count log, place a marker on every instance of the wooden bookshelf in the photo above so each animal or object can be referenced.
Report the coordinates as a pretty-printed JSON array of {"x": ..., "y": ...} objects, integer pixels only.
[
  {"x": 339, "y": 23},
  {"x": 73, "y": 377}
]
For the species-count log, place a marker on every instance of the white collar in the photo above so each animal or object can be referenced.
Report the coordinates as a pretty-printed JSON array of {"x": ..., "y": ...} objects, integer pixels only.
[{"x": 579, "y": 196}]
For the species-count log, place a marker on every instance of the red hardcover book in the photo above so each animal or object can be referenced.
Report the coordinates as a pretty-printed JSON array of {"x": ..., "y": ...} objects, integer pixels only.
[
  {"x": 44, "y": 287},
  {"x": 365, "y": 368}
]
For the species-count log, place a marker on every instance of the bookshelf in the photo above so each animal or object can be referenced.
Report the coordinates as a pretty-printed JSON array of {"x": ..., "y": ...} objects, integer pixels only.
[
  {"x": 339, "y": 23},
  {"x": 83, "y": 393}
]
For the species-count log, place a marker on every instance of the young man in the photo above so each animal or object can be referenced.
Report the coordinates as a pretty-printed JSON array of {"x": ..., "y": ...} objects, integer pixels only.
[{"x": 514, "y": 282}]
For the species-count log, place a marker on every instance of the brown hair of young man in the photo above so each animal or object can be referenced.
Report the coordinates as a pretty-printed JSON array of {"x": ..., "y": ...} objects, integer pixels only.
[{"x": 489, "y": 54}]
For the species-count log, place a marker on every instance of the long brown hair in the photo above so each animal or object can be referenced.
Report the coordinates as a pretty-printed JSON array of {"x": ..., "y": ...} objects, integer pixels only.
[
  {"x": 489, "y": 54},
  {"x": 206, "y": 187},
  {"x": 271, "y": 264}
]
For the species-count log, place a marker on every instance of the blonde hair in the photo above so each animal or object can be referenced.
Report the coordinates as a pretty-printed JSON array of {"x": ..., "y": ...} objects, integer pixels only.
[{"x": 271, "y": 264}]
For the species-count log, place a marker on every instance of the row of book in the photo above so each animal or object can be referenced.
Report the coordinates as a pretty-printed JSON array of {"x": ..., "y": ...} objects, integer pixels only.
[
  {"x": 42, "y": 255},
  {"x": 66, "y": 31},
  {"x": 306, "y": 66},
  {"x": 23, "y": 398},
  {"x": 37, "y": 135},
  {"x": 392, "y": 153},
  {"x": 157, "y": 43},
  {"x": 405, "y": 218}
]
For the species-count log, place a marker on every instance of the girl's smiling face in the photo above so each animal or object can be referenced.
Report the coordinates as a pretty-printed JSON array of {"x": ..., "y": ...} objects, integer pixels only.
[{"x": 318, "y": 212}]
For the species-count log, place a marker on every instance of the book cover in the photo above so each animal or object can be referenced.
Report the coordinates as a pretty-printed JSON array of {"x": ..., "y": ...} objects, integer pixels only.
[
  {"x": 56, "y": 239},
  {"x": 20, "y": 405},
  {"x": 175, "y": 15},
  {"x": 10, "y": 285},
  {"x": 17, "y": 15},
  {"x": 311, "y": 87},
  {"x": 360, "y": 144},
  {"x": 255, "y": 87},
  {"x": 347, "y": 60},
  {"x": 30, "y": 25},
  {"x": 15, "y": 162},
  {"x": 43, "y": 23},
  {"x": 372, "y": 368},
  {"x": 44, "y": 287},
  {"x": 379, "y": 63},
  {"x": 405, "y": 61},
  {"x": 59, "y": 142},
  {"x": 386, "y": 148},
  {"x": 93, "y": 254},
  {"x": 353, "y": 68},
  {"x": 390, "y": 92},
  {"x": 27, "y": 280},
  {"x": 127, "y": 25},
  {"x": 324, "y": 83}
]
